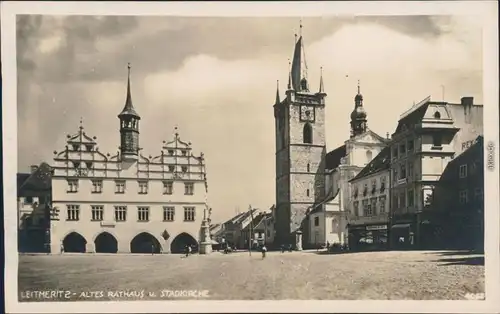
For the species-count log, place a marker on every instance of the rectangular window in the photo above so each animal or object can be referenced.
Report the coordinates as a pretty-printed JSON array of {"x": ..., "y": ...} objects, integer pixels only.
[
  {"x": 402, "y": 149},
  {"x": 316, "y": 221},
  {"x": 410, "y": 169},
  {"x": 120, "y": 213},
  {"x": 374, "y": 186},
  {"x": 368, "y": 210},
  {"x": 395, "y": 174},
  {"x": 382, "y": 205},
  {"x": 478, "y": 195},
  {"x": 120, "y": 186},
  {"x": 184, "y": 168},
  {"x": 28, "y": 200},
  {"x": 437, "y": 140},
  {"x": 382, "y": 184},
  {"x": 403, "y": 172},
  {"x": 395, "y": 202},
  {"x": 73, "y": 213},
  {"x": 170, "y": 152},
  {"x": 188, "y": 188},
  {"x": 97, "y": 212},
  {"x": 96, "y": 186},
  {"x": 402, "y": 200},
  {"x": 168, "y": 187},
  {"x": 411, "y": 199},
  {"x": 189, "y": 213},
  {"x": 463, "y": 171},
  {"x": 171, "y": 168},
  {"x": 143, "y": 213},
  {"x": 72, "y": 186},
  {"x": 463, "y": 197},
  {"x": 168, "y": 213},
  {"x": 184, "y": 153},
  {"x": 143, "y": 187},
  {"x": 356, "y": 208},
  {"x": 395, "y": 153},
  {"x": 410, "y": 145}
]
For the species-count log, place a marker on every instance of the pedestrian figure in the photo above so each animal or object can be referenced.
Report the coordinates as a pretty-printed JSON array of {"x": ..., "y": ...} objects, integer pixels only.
[
  {"x": 328, "y": 246},
  {"x": 289, "y": 247},
  {"x": 282, "y": 248},
  {"x": 62, "y": 248},
  {"x": 152, "y": 249},
  {"x": 264, "y": 250}
]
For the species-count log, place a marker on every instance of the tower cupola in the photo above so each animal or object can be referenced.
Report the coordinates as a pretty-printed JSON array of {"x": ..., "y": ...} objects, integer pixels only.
[{"x": 358, "y": 115}]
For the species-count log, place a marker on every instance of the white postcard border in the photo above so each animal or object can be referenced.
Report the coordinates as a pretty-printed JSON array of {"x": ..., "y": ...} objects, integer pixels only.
[{"x": 485, "y": 10}]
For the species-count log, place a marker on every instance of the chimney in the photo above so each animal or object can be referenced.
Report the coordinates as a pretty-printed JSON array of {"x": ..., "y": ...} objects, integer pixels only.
[
  {"x": 467, "y": 101},
  {"x": 33, "y": 168}
]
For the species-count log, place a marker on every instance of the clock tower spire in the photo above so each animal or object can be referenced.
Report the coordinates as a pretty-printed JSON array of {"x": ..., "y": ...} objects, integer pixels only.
[{"x": 300, "y": 151}]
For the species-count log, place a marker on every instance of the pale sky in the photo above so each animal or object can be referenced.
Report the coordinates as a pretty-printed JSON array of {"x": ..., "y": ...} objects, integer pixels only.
[{"x": 215, "y": 78}]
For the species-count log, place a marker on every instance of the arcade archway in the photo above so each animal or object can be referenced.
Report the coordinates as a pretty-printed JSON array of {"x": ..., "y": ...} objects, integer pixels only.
[
  {"x": 181, "y": 241},
  {"x": 106, "y": 243},
  {"x": 145, "y": 243},
  {"x": 74, "y": 243}
]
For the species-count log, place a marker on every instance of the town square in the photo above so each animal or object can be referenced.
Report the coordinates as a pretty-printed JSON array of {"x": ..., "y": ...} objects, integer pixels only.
[{"x": 422, "y": 275}]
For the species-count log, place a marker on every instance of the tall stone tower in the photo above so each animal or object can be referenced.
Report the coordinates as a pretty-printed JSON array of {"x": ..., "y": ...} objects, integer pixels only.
[
  {"x": 300, "y": 151},
  {"x": 358, "y": 115},
  {"x": 129, "y": 128}
]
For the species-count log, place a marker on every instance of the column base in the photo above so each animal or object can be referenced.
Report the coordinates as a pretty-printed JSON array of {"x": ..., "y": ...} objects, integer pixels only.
[{"x": 205, "y": 248}]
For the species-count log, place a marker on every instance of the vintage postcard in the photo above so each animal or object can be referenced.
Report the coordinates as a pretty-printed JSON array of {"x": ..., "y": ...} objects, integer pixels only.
[{"x": 253, "y": 156}]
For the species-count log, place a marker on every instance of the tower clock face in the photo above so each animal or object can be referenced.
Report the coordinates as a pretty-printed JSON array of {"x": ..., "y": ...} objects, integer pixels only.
[{"x": 307, "y": 113}]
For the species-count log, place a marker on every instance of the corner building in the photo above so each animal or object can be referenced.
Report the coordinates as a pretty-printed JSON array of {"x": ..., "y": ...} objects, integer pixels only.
[
  {"x": 126, "y": 202},
  {"x": 300, "y": 151}
]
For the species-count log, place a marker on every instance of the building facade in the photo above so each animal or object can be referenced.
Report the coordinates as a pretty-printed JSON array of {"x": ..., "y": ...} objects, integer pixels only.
[
  {"x": 329, "y": 219},
  {"x": 33, "y": 209},
  {"x": 427, "y": 138},
  {"x": 300, "y": 151},
  {"x": 126, "y": 202},
  {"x": 369, "y": 212},
  {"x": 455, "y": 218}
]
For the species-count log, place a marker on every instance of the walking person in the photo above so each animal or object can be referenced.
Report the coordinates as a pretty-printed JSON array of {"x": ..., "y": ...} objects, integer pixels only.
[
  {"x": 152, "y": 249},
  {"x": 264, "y": 250}
]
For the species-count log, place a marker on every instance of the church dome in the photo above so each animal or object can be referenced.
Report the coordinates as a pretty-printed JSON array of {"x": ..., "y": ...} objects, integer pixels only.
[{"x": 358, "y": 113}]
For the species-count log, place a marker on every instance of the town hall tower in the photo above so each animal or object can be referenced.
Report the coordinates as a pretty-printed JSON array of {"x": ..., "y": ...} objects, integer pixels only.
[{"x": 300, "y": 150}]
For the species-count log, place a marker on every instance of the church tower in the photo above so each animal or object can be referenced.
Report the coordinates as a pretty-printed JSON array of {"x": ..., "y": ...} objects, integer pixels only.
[
  {"x": 300, "y": 150},
  {"x": 358, "y": 115},
  {"x": 129, "y": 128}
]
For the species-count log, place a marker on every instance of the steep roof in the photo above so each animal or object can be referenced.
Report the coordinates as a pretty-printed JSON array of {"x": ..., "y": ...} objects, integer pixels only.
[
  {"x": 256, "y": 222},
  {"x": 334, "y": 157},
  {"x": 128, "y": 109},
  {"x": 381, "y": 162},
  {"x": 38, "y": 181},
  {"x": 451, "y": 168}
]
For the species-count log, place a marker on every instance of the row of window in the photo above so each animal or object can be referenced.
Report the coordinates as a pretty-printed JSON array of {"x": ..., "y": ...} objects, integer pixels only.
[
  {"x": 370, "y": 207},
  {"x": 90, "y": 148},
  {"x": 405, "y": 170},
  {"x": 463, "y": 196},
  {"x": 374, "y": 187},
  {"x": 120, "y": 187},
  {"x": 464, "y": 170},
  {"x": 90, "y": 164},
  {"x": 120, "y": 213},
  {"x": 402, "y": 149}
]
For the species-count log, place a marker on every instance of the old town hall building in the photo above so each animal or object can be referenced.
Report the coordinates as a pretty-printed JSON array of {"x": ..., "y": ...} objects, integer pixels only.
[{"x": 126, "y": 201}]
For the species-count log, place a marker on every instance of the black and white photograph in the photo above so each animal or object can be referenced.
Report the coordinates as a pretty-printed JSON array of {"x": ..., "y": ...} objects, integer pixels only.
[{"x": 260, "y": 154}]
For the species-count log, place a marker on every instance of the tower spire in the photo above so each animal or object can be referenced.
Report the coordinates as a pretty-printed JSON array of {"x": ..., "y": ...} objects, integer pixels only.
[
  {"x": 290, "y": 79},
  {"x": 277, "y": 92},
  {"x": 128, "y": 109},
  {"x": 359, "y": 88},
  {"x": 321, "y": 87}
]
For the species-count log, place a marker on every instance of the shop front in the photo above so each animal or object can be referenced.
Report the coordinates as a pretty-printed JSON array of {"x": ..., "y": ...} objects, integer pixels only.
[{"x": 368, "y": 237}]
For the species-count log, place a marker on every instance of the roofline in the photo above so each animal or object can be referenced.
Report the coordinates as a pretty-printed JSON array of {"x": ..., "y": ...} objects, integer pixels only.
[{"x": 370, "y": 174}]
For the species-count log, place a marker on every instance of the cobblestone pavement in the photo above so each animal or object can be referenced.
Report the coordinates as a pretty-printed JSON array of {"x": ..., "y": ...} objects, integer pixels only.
[{"x": 296, "y": 275}]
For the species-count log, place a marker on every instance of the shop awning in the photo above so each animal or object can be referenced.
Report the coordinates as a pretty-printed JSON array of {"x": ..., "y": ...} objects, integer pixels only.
[{"x": 400, "y": 226}]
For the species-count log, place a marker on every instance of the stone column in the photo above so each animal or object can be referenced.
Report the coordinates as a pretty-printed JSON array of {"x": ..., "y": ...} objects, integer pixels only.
[
  {"x": 205, "y": 241},
  {"x": 90, "y": 247},
  {"x": 298, "y": 238}
]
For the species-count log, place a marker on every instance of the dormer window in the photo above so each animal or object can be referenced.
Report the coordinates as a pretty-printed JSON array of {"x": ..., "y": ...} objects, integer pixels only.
[
  {"x": 437, "y": 115},
  {"x": 171, "y": 152},
  {"x": 184, "y": 153},
  {"x": 76, "y": 147},
  {"x": 88, "y": 147}
]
